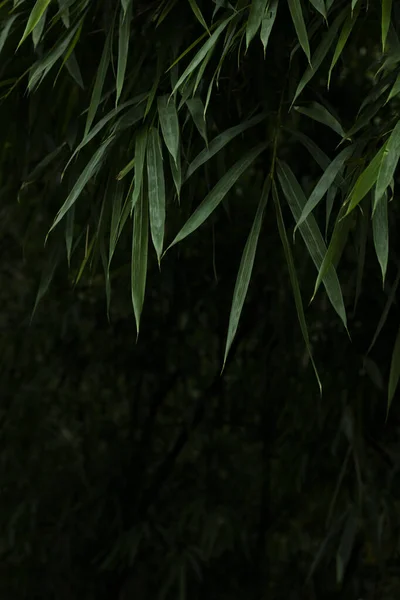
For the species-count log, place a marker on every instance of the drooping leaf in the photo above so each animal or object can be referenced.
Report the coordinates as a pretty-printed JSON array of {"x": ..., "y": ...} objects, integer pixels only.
[
  {"x": 394, "y": 374},
  {"x": 218, "y": 193},
  {"x": 156, "y": 190},
  {"x": 366, "y": 181},
  {"x": 362, "y": 235},
  {"x": 6, "y": 30},
  {"x": 325, "y": 183},
  {"x": 386, "y": 15},
  {"x": 319, "y": 113},
  {"x": 257, "y": 12},
  {"x": 196, "y": 109},
  {"x": 380, "y": 229},
  {"x": 123, "y": 48},
  {"x": 293, "y": 279},
  {"x": 34, "y": 18},
  {"x": 198, "y": 14},
  {"x": 246, "y": 268},
  {"x": 169, "y": 124},
  {"x": 127, "y": 169},
  {"x": 319, "y": 5},
  {"x": 140, "y": 155},
  {"x": 98, "y": 85},
  {"x": 393, "y": 92},
  {"x": 311, "y": 235},
  {"x": 115, "y": 219},
  {"x": 344, "y": 36},
  {"x": 139, "y": 256},
  {"x": 267, "y": 23},
  {"x": 176, "y": 171},
  {"x": 391, "y": 155},
  {"x": 300, "y": 26},
  {"x": 38, "y": 30},
  {"x": 220, "y": 141},
  {"x": 89, "y": 171}
]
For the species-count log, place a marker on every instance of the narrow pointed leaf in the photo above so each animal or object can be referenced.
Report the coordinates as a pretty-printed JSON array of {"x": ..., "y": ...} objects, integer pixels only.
[
  {"x": 319, "y": 5},
  {"x": 115, "y": 219},
  {"x": 246, "y": 268},
  {"x": 366, "y": 181},
  {"x": 38, "y": 30},
  {"x": 127, "y": 169},
  {"x": 34, "y": 18},
  {"x": 319, "y": 113},
  {"x": 198, "y": 14},
  {"x": 139, "y": 256},
  {"x": 140, "y": 155},
  {"x": 380, "y": 229},
  {"x": 218, "y": 193},
  {"x": 325, "y": 183},
  {"x": 293, "y": 279},
  {"x": 267, "y": 23},
  {"x": 98, "y": 85},
  {"x": 393, "y": 92},
  {"x": 344, "y": 36},
  {"x": 156, "y": 190},
  {"x": 6, "y": 30},
  {"x": 220, "y": 141},
  {"x": 257, "y": 12},
  {"x": 312, "y": 236},
  {"x": 196, "y": 109},
  {"x": 123, "y": 49},
  {"x": 300, "y": 26},
  {"x": 386, "y": 15},
  {"x": 388, "y": 164},
  {"x": 89, "y": 171},
  {"x": 176, "y": 171},
  {"x": 169, "y": 124}
]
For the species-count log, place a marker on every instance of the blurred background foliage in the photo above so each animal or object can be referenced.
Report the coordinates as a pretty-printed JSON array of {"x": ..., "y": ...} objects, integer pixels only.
[{"x": 130, "y": 466}]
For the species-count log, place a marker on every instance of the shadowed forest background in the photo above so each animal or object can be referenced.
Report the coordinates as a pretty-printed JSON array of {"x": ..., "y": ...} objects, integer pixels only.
[{"x": 131, "y": 465}]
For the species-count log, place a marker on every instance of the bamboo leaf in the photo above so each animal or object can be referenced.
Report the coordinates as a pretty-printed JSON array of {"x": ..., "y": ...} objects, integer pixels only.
[
  {"x": 293, "y": 280},
  {"x": 176, "y": 171},
  {"x": 6, "y": 30},
  {"x": 38, "y": 30},
  {"x": 98, "y": 85},
  {"x": 257, "y": 12},
  {"x": 36, "y": 14},
  {"x": 312, "y": 236},
  {"x": 127, "y": 169},
  {"x": 196, "y": 109},
  {"x": 393, "y": 92},
  {"x": 156, "y": 190},
  {"x": 246, "y": 268},
  {"x": 325, "y": 183},
  {"x": 267, "y": 23},
  {"x": 394, "y": 374},
  {"x": 140, "y": 154},
  {"x": 300, "y": 26},
  {"x": 221, "y": 141},
  {"x": 123, "y": 49},
  {"x": 139, "y": 256},
  {"x": 115, "y": 220},
  {"x": 169, "y": 124},
  {"x": 388, "y": 165},
  {"x": 344, "y": 36},
  {"x": 198, "y": 14},
  {"x": 386, "y": 15},
  {"x": 319, "y": 113},
  {"x": 380, "y": 229},
  {"x": 89, "y": 171},
  {"x": 366, "y": 181},
  {"x": 218, "y": 193},
  {"x": 319, "y": 5}
]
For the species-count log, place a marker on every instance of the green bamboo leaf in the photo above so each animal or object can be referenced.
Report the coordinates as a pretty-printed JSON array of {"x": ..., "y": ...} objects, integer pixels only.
[
  {"x": 202, "y": 53},
  {"x": 198, "y": 14},
  {"x": 325, "y": 183},
  {"x": 34, "y": 18},
  {"x": 257, "y": 12},
  {"x": 127, "y": 169},
  {"x": 156, "y": 190},
  {"x": 267, "y": 23},
  {"x": 346, "y": 545},
  {"x": 388, "y": 165},
  {"x": 47, "y": 276},
  {"x": 123, "y": 48},
  {"x": 38, "y": 30},
  {"x": 319, "y": 5},
  {"x": 115, "y": 220},
  {"x": 73, "y": 69},
  {"x": 386, "y": 16},
  {"x": 320, "y": 54},
  {"x": 380, "y": 229},
  {"x": 196, "y": 109},
  {"x": 393, "y": 92},
  {"x": 69, "y": 232},
  {"x": 176, "y": 171},
  {"x": 362, "y": 238},
  {"x": 312, "y": 236},
  {"x": 140, "y": 154},
  {"x": 394, "y": 374},
  {"x": 64, "y": 13},
  {"x": 169, "y": 124},
  {"x": 139, "y": 256},
  {"x": 344, "y": 36},
  {"x": 218, "y": 193},
  {"x": 89, "y": 171},
  {"x": 293, "y": 279},
  {"x": 221, "y": 141},
  {"x": 6, "y": 30},
  {"x": 246, "y": 268},
  {"x": 300, "y": 26},
  {"x": 98, "y": 84},
  {"x": 154, "y": 87},
  {"x": 319, "y": 113},
  {"x": 365, "y": 181}
]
